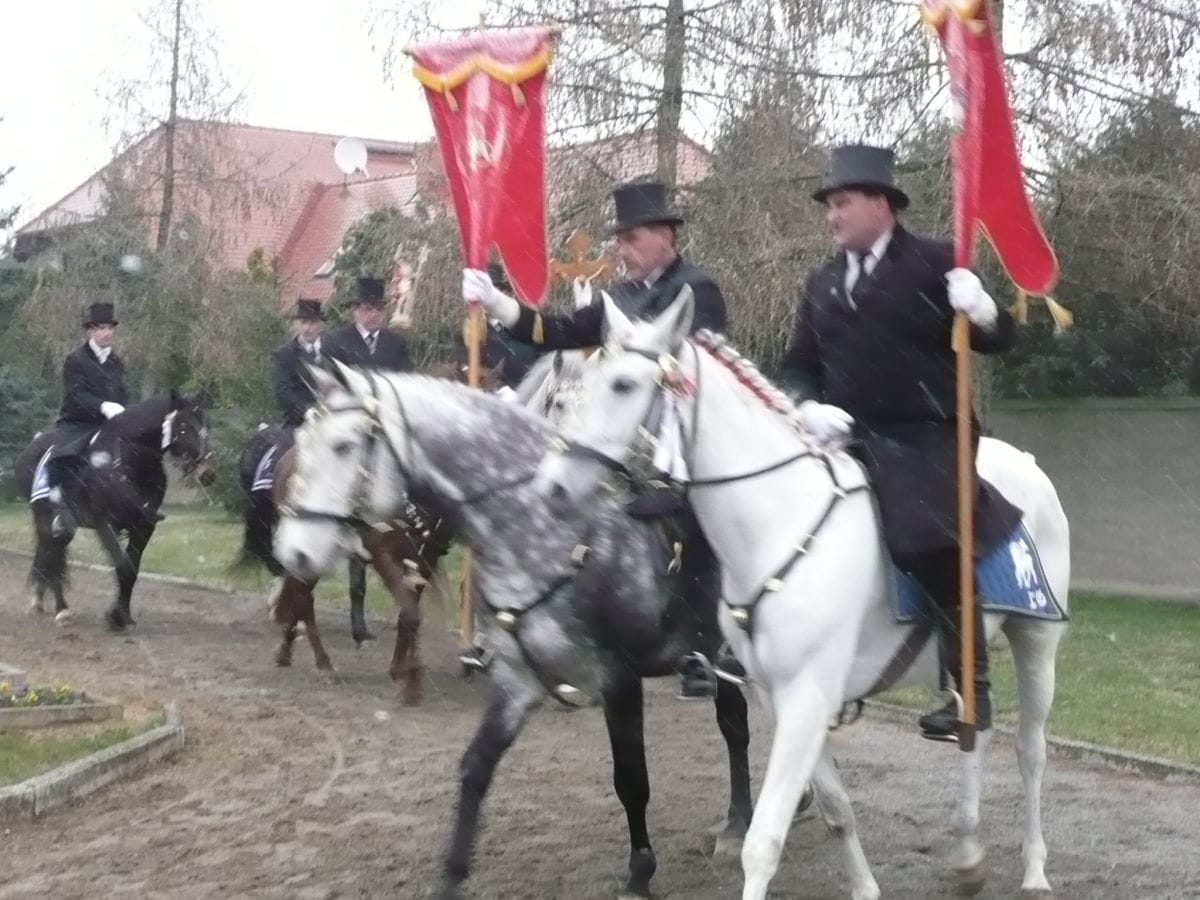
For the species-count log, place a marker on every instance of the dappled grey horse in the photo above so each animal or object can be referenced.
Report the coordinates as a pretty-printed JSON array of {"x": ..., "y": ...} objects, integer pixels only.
[{"x": 578, "y": 608}]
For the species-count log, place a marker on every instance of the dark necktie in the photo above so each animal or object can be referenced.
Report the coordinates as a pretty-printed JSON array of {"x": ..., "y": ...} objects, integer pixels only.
[{"x": 371, "y": 343}]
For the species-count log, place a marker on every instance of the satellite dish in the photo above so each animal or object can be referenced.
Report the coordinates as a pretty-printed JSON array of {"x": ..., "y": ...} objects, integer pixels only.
[{"x": 350, "y": 155}]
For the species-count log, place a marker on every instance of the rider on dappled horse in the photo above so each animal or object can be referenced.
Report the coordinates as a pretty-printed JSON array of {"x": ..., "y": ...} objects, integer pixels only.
[
  {"x": 871, "y": 348},
  {"x": 364, "y": 343},
  {"x": 94, "y": 390},
  {"x": 655, "y": 272}
]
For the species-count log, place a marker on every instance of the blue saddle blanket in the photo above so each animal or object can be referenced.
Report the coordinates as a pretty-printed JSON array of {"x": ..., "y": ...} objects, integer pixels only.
[
  {"x": 1009, "y": 580},
  {"x": 41, "y": 478},
  {"x": 264, "y": 472}
]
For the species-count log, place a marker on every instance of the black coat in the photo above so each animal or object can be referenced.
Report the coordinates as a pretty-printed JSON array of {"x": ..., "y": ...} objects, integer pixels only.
[
  {"x": 347, "y": 346},
  {"x": 886, "y": 359},
  {"x": 86, "y": 384},
  {"x": 584, "y": 327},
  {"x": 291, "y": 390},
  {"x": 501, "y": 347}
]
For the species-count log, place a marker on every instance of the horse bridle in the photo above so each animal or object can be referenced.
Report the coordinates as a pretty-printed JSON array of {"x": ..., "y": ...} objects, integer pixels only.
[
  {"x": 671, "y": 379},
  {"x": 508, "y": 618},
  {"x": 374, "y": 435}
]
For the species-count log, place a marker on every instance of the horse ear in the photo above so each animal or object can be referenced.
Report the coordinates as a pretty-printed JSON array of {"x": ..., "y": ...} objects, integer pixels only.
[
  {"x": 353, "y": 380},
  {"x": 675, "y": 322},
  {"x": 320, "y": 381},
  {"x": 617, "y": 324},
  {"x": 176, "y": 400},
  {"x": 202, "y": 398}
]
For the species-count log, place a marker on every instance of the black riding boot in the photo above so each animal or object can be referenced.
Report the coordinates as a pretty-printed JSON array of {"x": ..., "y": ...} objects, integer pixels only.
[
  {"x": 942, "y": 724},
  {"x": 937, "y": 573},
  {"x": 62, "y": 520}
]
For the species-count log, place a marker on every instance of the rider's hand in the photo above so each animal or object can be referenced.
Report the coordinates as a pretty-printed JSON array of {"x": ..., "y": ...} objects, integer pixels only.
[
  {"x": 478, "y": 288},
  {"x": 108, "y": 409},
  {"x": 582, "y": 289},
  {"x": 968, "y": 297},
  {"x": 827, "y": 425}
]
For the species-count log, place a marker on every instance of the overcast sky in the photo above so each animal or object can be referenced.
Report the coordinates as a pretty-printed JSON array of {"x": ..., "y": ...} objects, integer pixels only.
[{"x": 305, "y": 64}]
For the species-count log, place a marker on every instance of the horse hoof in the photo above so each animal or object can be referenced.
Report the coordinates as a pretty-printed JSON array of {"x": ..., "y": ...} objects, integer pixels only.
[
  {"x": 63, "y": 617},
  {"x": 728, "y": 845},
  {"x": 283, "y": 660},
  {"x": 362, "y": 637},
  {"x": 411, "y": 695},
  {"x": 969, "y": 882},
  {"x": 116, "y": 621},
  {"x": 331, "y": 677},
  {"x": 36, "y": 608}
]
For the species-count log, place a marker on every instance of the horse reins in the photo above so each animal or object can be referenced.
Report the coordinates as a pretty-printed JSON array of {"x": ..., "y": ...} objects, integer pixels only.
[{"x": 671, "y": 380}]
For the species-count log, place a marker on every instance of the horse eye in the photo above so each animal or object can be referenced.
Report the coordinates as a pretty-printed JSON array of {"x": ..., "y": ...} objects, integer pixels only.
[
  {"x": 343, "y": 448},
  {"x": 623, "y": 385}
]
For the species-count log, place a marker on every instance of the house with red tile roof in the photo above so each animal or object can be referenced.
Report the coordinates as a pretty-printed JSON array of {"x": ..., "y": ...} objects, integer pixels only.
[{"x": 280, "y": 190}]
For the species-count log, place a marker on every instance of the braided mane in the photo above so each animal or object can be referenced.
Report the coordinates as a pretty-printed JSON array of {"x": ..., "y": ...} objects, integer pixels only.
[{"x": 746, "y": 372}]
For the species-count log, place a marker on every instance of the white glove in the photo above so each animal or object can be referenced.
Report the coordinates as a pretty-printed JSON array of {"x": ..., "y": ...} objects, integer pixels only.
[
  {"x": 582, "y": 289},
  {"x": 108, "y": 409},
  {"x": 828, "y": 425},
  {"x": 478, "y": 288},
  {"x": 968, "y": 297},
  {"x": 504, "y": 392}
]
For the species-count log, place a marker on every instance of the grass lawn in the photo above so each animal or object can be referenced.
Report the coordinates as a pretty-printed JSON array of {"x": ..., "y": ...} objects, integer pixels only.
[
  {"x": 1128, "y": 677},
  {"x": 1128, "y": 670},
  {"x": 199, "y": 543},
  {"x": 24, "y": 754}
]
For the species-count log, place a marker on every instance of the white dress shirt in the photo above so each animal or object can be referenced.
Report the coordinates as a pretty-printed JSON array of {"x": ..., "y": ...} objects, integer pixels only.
[
  {"x": 855, "y": 266},
  {"x": 101, "y": 352}
]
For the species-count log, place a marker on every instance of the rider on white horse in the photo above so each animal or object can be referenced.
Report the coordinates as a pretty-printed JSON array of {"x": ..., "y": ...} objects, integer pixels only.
[
  {"x": 645, "y": 229},
  {"x": 871, "y": 347}
]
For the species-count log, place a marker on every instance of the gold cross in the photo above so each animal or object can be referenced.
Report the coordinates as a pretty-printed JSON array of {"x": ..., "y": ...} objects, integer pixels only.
[{"x": 579, "y": 265}]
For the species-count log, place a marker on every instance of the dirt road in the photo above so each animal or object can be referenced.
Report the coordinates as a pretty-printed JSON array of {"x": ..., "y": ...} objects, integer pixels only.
[{"x": 290, "y": 787}]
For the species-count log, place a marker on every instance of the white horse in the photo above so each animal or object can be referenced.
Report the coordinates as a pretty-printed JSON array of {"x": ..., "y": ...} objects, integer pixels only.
[{"x": 806, "y": 577}]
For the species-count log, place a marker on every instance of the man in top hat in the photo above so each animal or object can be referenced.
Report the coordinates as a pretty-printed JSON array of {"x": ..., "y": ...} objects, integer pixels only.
[
  {"x": 291, "y": 386},
  {"x": 94, "y": 391},
  {"x": 655, "y": 272},
  {"x": 871, "y": 347},
  {"x": 645, "y": 229},
  {"x": 366, "y": 343}
]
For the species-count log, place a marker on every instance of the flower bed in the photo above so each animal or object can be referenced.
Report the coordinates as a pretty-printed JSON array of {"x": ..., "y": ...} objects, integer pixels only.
[
  {"x": 34, "y": 707},
  {"x": 23, "y": 698}
]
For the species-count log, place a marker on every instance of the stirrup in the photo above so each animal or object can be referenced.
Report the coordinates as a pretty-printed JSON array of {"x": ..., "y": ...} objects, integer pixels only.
[
  {"x": 704, "y": 681},
  {"x": 724, "y": 675},
  {"x": 478, "y": 657},
  {"x": 952, "y": 737}
]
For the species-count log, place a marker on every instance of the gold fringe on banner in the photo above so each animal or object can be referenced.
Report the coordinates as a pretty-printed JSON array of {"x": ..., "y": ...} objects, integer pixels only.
[
  {"x": 510, "y": 75},
  {"x": 1063, "y": 319}
]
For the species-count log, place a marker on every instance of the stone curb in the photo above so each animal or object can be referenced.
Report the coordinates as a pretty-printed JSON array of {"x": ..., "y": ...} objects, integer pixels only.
[
  {"x": 149, "y": 576},
  {"x": 35, "y": 796},
  {"x": 39, "y": 716},
  {"x": 1147, "y": 766}
]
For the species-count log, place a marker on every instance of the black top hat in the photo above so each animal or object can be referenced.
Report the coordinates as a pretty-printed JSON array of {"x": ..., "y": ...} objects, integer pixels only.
[
  {"x": 643, "y": 203},
  {"x": 863, "y": 168},
  {"x": 99, "y": 313},
  {"x": 369, "y": 291},
  {"x": 307, "y": 310}
]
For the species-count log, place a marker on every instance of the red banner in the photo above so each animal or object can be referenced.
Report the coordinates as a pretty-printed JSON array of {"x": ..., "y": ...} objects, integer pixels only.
[
  {"x": 989, "y": 182},
  {"x": 485, "y": 92}
]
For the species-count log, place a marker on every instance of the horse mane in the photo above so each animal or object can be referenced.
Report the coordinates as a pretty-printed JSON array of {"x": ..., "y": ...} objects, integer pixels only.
[
  {"x": 745, "y": 372},
  {"x": 139, "y": 418}
]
